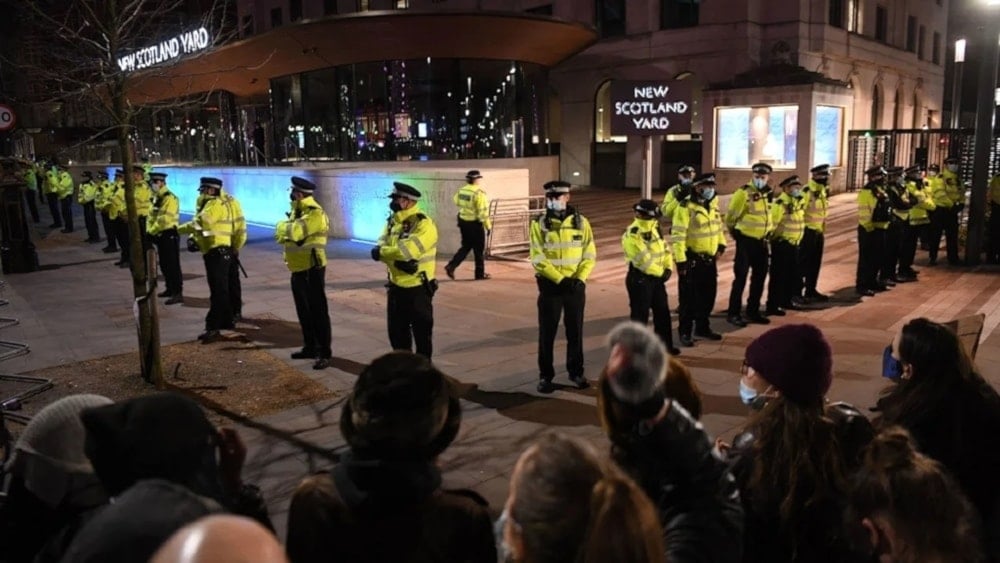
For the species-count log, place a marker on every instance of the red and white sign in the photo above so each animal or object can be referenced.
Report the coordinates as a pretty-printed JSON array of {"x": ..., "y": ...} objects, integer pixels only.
[{"x": 7, "y": 118}]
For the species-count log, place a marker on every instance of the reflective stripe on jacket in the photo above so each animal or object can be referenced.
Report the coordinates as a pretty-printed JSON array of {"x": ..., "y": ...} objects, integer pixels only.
[
  {"x": 473, "y": 205},
  {"x": 212, "y": 226},
  {"x": 87, "y": 192},
  {"x": 920, "y": 212},
  {"x": 165, "y": 214},
  {"x": 817, "y": 205},
  {"x": 788, "y": 214},
  {"x": 750, "y": 213},
  {"x": 303, "y": 235},
  {"x": 562, "y": 248},
  {"x": 697, "y": 228},
  {"x": 409, "y": 235},
  {"x": 645, "y": 248}
]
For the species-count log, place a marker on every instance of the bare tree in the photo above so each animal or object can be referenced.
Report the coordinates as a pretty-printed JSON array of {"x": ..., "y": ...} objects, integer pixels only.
[{"x": 90, "y": 52}]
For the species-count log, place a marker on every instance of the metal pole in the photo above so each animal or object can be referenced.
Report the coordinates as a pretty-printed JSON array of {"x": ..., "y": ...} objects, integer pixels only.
[
  {"x": 956, "y": 87},
  {"x": 647, "y": 168},
  {"x": 985, "y": 89}
]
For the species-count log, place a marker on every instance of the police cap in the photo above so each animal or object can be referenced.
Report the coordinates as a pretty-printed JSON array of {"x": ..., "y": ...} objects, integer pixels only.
[
  {"x": 915, "y": 169},
  {"x": 407, "y": 191},
  {"x": 934, "y": 168},
  {"x": 303, "y": 185},
  {"x": 762, "y": 168},
  {"x": 157, "y": 177},
  {"x": 557, "y": 187},
  {"x": 102, "y": 174},
  {"x": 647, "y": 208},
  {"x": 138, "y": 168},
  {"x": 790, "y": 181},
  {"x": 473, "y": 175},
  {"x": 119, "y": 171},
  {"x": 207, "y": 182},
  {"x": 894, "y": 170},
  {"x": 951, "y": 160},
  {"x": 704, "y": 179},
  {"x": 820, "y": 170},
  {"x": 685, "y": 169},
  {"x": 875, "y": 171}
]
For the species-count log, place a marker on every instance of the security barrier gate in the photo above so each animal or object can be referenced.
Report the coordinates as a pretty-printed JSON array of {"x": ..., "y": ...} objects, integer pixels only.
[{"x": 511, "y": 219}]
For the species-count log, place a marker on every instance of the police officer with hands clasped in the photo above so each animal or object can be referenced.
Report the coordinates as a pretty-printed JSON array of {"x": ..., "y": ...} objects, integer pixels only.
[
  {"x": 563, "y": 254},
  {"x": 650, "y": 265},
  {"x": 749, "y": 221},
  {"x": 873, "y": 220}
]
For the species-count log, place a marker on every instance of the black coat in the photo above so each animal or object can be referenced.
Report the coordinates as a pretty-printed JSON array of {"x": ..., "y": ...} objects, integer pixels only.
[{"x": 693, "y": 490}]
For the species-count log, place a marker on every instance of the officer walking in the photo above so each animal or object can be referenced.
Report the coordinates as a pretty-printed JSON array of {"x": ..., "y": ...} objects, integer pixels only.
[
  {"x": 211, "y": 232},
  {"x": 873, "y": 220},
  {"x": 563, "y": 254},
  {"x": 817, "y": 206},
  {"x": 303, "y": 238},
  {"x": 949, "y": 200},
  {"x": 749, "y": 220},
  {"x": 473, "y": 223},
  {"x": 918, "y": 218},
  {"x": 650, "y": 265},
  {"x": 678, "y": 193},
  {"x": 788, "y": 217},
  {"x": 408, "y": 247},
  {"x": 900, "y": 203},
  {"x": 161, "y": 227},
  {"x": 86, "y": 196},
  {"x": 698, "y": 243},
  {"x": 103, "y": 203}
]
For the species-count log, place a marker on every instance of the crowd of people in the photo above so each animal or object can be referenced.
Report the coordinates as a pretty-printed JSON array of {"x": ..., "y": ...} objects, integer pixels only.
[{"x": 805, "y": 480}]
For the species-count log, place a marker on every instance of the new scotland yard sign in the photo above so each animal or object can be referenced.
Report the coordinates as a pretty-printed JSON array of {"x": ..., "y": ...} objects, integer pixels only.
[{"x": 650, "y": 107}]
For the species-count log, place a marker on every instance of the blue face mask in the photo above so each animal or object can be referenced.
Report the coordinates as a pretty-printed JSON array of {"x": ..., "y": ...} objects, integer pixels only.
[
  {"x": 708, "y": 193},
  {"x": 797, "y": 192},
  {"x": 555, "y": 205},
  {"x": 892, "y": 368},
  {"x": 759, "y": 182},
  {"x": 747, "y": 394},
  {"x": 687, "y": 181}
]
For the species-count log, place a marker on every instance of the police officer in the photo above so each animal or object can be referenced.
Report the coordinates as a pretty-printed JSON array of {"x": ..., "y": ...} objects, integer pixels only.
[
  {"x": 303, "y": 237},
  {"x": 408, "y": 247},
  {"x": 211, "y": 232},
  {"x": 103, "y": 203},
  {"x": 679, "y": 192},
  {"x": 86, "y": 194},
  {"x": 816, "y": 198},
  {"x": 899, "y": 201},
  {"x": 873, "y": 220},
  {"x": 161, "y": 227},
  {"x": 118, "y": 214},
  {"x": 473, "y": 223},
  {"x": 563, "y": 254},
  {"x": 698, "y": 243},
  {"x": 238, "y": 242},
  {"x": 749, "y": 220},
  {"x": 788, "y": 217},
  {"x": 949, "y": 200},
  {"x": 30, "y": 179},
  {"x": 64, "y": 191},
  {"x": 143, "y": 204},
  {"x": 50, "y": 186},
  {"x": 993, "y": 248},
  {"x": 650, "y": 265},
  {"x": 917, "y": 220}
]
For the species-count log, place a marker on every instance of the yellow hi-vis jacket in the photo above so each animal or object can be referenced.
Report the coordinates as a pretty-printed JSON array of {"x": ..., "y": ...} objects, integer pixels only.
[
  {"x": 51, "y": 181},
  {"x": 30, "y": 178},
  {"x": 873, "y": 207},
  {"x": 995, "y": 190},
  {"x": 165, "y": 213},
  {"x": 671, "y": 203},
  {"x": 105, "y": 189},
  {"x": 473, "y": 205},
  {"x": 303, "y": 235},
  {"x": 817, "y": 205},
  {"x": 789, "y": 216},
  {"x": 143, "y": 198},
  {"x": 409, "y": 235},
  {"x": 239, "y": 221},
  {"x": 920, "y": 193},
  {"x": 645, "y": 249},
  {"x": 562, "y": 248},
  {"x": 64, "y": 185},
  {"x": 750, "y": 213},
  {"x": 87, "y": 192},
  {"x": 116, "y": 201},
  {"x": 212, "y": 225},
  {"x": 697, "y": 229},
  {"x": 947, "y": 190}
]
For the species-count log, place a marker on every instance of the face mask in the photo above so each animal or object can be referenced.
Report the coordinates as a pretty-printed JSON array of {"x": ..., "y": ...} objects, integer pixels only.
[
  {"x": 555, "y": 205},
  {"x": 759, "y": 182},
  {"x": 395, "y": 206},
  {"x": 892, "y": 368},
  {"x": 687, "y": 181},
  {"x": 797, "y": 192},
  {"x": 747, "y": 394},
  {"x": 503, "y": 550},
  {"x": 932, "y": 174},
  {"x": 953, "y": 168},
  {"x": 708, "y": 193}
]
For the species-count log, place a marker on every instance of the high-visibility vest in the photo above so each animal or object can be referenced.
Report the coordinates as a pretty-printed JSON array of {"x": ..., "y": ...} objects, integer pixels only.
[
  {"x": 212, "y": 225},
  {"x": 562, "y": 248},
  {"x": 409, "y": 235},
  {"x": 165, "y": 213},
  {"x": 789, "y": 216},
  {"x": 30, "y": 178},
  {"x": 645, "y": 249},
  {"x": 995, "y": 189},
  {"x": 670, "y": 201},
  {"x": 303, "y": 235},
  {"x": 116, "y": 201},
  {"x": 920, "y": 212},
  {"x": 873, "y": 207},
  {"x": 87, "y": 192},
  {"x": 64, "y": 184},
  {"x": 697, "y": 228},
  {"x": 817, "y": 205},
  {"x": 239, "y": 220},
  {"x": 750, "y": 212},
  {"x": 143, "y": 198},
  {"x": 473, "y": 205},
  {"x": 947, "y": 190},
  {"x": 51, "y": 181}
]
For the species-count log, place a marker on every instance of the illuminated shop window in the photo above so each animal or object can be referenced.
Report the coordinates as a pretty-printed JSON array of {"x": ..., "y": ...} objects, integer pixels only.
[
  {"x": 744, "y": 135},
  {"x": 828, "y": 135}
]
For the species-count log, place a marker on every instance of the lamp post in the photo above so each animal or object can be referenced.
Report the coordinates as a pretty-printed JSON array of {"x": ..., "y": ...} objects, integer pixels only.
[
  {"x": 986, "y": 90},
  {"x": 956, "y": 86}
]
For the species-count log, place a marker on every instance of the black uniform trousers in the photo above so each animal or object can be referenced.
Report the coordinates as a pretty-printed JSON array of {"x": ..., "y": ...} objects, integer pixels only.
[
  {"x": 410, "y": 318},
  {"x": 944, "y": 220},
  {"x": 810, "y": 260},
  {"x": 697, "y": 290},
  {"x": 474, "y": 239},
  {"x": 784, "y": 272},
  {"x": 994, "y": 242},
  {"x": 893, "y": 245},
  {"x": 309, "y": 292},
  {"x": 555, "y": 302},
  {"x": 871, "y": 256},
  {"x": 751, "y": 254},
  {"x": 109, "y": 231},
  {"x": 647, "y": 293},
  {"x": 908, "y": 247},
  {"x": 218, "y": 262},
  {"x": 235, "y": 287},
  {"x": 90, "y": 220},
  {"x": 30, "y": 198},
  {"x": 168, "y": 250},
  {"x": 122, "y": 236},
  {"x": 53, "y": 201},
  {"x": 66, "y": 206}
]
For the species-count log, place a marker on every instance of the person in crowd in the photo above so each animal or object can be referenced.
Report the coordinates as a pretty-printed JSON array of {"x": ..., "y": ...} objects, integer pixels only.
[
  {"x": 53, "y": 489},
  {"x": 904, "y": 507},
  {"x": 667, "y": 452},
  {"x": 221, "y": 538},
  {"x": 408, "y": 248},
  {"x": 473, "y": 224},
  {"x": 817, "y": 209},
  {"x": 563, "y": 254},
  {"x": 873, "y": 220},
  {"x": 87, "y": 192},
  {"x": 161, "y": 227},
  {"x": 650, "y": 265},
  {"x": 949, "y": 409},
  {"x": 159, "y": 451},
  {"x": 567, "y": 505},
  {"x": 384, "y": 500},
  {"x": 748, "y": 219},
  {"x": 302, "y": 237},
  {"x": 788, "y": 217},
  {"x": 698, "y": 243},
  {"x": 143, "y": 204},
  {"x": 949, "y": 200},
  {"x": 796, "y": 452}
]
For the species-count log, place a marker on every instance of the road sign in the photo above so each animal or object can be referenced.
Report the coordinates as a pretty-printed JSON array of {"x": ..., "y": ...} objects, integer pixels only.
[{"x": 7, "y": 118}]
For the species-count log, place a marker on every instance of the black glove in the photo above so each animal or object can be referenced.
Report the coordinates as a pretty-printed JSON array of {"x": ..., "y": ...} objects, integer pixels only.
[
  {"x": 577, "y": 284},
  {"x": 376, "y": 252},
  {"x": 682, "y": 268},
  {"x": 192, "y": 246},
  {"x": 666, "y": 275},
  {"x": 566, "y": 284},
  {"x": 406, "y": 266}
]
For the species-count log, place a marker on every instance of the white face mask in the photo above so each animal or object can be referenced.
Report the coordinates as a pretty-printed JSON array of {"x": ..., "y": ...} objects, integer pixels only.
[
  {"x": 708, "y": 193},
  {"x": 759, "y": 182},
  {"x": 555, "y": 205},
  {"x": 953, "y": 168},
  {"x": 797, "y": 192}
]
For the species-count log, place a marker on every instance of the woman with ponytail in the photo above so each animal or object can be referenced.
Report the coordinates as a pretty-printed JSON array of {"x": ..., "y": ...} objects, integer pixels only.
[{"x": 566, "y": 505}]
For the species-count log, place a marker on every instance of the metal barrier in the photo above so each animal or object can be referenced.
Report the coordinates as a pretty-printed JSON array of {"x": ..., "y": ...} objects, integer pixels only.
[{"x": 511, "y": 219}]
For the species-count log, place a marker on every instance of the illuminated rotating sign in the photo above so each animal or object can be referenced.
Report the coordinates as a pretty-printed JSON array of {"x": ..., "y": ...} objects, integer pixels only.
[
  {"x": 167, "y": 50},
  {"x": 650, "y": 108}
]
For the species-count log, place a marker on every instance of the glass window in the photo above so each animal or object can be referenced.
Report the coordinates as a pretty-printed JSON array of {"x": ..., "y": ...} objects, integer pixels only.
[
  {"x": 294, "y": 10},
  {"x": 853, "y": 16},
  {"x": 836, "y": 15},
  {"x": 677, "y": 14},
  {"x": 828, "y": 133},
  {"x": 911, "y": 34},
  {"x": 881, "y": 23},
  {"x": 920, "y": 42},
  {"x": 936, "y": 49},
  {"x": 761, "y": 133},
  {"x": 275, "y": 17},
  {"x": 610, "y": 17}
]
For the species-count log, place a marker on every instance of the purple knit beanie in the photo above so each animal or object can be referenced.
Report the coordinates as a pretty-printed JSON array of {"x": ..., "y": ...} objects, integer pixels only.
[{"x": 796, "y": 359}]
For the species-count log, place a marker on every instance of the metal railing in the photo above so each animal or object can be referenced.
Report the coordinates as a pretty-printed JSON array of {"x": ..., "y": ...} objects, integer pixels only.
[{"x": 511, "y": 219}]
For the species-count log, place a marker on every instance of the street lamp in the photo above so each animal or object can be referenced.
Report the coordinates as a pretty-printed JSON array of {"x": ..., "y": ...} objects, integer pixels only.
[{"x": 956, "y": 87}]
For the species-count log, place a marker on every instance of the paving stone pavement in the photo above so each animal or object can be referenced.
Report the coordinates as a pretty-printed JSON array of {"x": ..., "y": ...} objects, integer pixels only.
[{"x": 79, "y": 307}]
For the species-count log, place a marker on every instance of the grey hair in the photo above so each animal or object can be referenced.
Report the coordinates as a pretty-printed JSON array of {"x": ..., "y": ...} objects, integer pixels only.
[{"x": 646, "y": 369}]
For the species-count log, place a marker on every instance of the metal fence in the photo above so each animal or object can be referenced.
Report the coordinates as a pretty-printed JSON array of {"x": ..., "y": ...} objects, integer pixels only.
[
  {"x": 904, "y": 147},
  {"x": 511, "y": 220}
]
